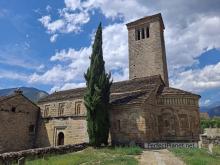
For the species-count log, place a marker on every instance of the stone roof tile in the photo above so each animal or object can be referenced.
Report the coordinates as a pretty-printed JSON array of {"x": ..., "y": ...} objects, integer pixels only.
[{"x": 122, "y": 89}]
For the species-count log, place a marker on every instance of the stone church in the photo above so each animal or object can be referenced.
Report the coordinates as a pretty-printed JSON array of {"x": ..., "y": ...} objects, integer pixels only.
[{"x": 143, "y": 108}]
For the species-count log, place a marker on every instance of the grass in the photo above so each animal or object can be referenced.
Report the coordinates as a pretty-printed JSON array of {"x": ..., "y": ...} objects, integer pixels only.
[
  {"x": 90, "y": 156},
  {"x": 196, "y": 156}
]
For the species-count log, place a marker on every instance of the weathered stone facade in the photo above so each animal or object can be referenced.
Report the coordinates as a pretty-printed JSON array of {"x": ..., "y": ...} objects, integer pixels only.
[
  {"x": 147, "y": 55},
  {"x": 143, "y": 109},
  {"x": 64, "y": 116},
  {"x": 19, "y": 117}
]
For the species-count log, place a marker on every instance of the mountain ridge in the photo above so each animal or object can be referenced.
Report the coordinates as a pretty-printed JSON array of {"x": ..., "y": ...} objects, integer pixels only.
[{"x": 31, "y": 93}]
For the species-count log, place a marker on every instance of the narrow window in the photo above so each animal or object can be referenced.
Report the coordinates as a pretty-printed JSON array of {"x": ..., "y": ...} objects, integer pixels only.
[
  {"x": 119, "y": 125},
  {"x": 31, "y": 128},
  {"x": 46, "y": 111},
  {"x": 138, "y": 34},
  {"x": 147, "y": 32},
  {"x": 78, "y": 107},
  {"x": 13, "y": 109},
  {"x": 142, "y": 33},
  {"x": 61, "y": 109}
]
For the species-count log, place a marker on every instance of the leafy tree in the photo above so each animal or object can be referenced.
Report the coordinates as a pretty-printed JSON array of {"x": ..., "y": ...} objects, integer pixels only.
[{"x": 97, "y": 95}]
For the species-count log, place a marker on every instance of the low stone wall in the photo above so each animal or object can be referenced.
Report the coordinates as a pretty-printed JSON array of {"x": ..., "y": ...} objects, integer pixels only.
[
  {"x": 212, "y": 132},
  {"x": 12, "y": 157},
  {"x": 206, "y": 140}
]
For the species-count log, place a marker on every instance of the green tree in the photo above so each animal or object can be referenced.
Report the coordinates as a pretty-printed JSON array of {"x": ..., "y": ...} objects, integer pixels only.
[{"x": 97, "y": 95}]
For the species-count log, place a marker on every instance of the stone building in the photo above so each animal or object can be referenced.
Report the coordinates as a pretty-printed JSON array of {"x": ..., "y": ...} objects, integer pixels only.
[
  {"x": 143, "y": 108},
  {"x": 18, "y": 121}
]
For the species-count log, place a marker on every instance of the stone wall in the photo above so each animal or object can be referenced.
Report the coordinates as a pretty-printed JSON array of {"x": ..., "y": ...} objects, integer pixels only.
[
  {"x": 179, "y": 120},
  {"x": 69, "y": 119},
  {"x": 212, "y": 132},
  {"x": 210, "y": 140},
  {"x": 147, "y": 57},
  {"x": 73, "y": 128},
  {"x": 12, "y": 157},
  {"x": 18, "y": 118},
  {"x": 151, "y": 122},
  {"x": 69, "y": 108},
  {"x": 128, "y": 124}
]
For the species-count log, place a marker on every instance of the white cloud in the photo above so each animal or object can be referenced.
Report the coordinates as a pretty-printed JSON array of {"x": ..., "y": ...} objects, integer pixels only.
[
  {"x": 199, "y": 79},
  {"x": 53, "y": 38},
  {"x": 67, "y": 86},
  {"x": 52, "y": 26},
  {"x": 13, "y": 75},
  {"x": 192, "y": 27},
  {"x": 206, "y": 102},
  {"x": 115, "y": 54},
  {"x": 72, "y": 4},
  {"x": 48, "y": 8},
  {"x": 185, "y": 45}
]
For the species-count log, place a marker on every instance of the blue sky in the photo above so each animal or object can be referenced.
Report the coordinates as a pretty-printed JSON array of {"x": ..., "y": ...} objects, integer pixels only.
[{"x": 46, "y": 44}]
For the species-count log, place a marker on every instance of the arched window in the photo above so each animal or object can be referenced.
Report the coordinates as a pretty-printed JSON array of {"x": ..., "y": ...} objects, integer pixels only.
[
  {"x": 142, "y": 33},
  {"x": 78, "y": 108},
  {"x": 61, "y": 109},
  {"x": 147, "y": 32},
  {"x": 46, "y": 111}
]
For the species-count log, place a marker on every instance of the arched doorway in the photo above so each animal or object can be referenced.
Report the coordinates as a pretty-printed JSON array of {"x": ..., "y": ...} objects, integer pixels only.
[{"x": 60, "y": 140}]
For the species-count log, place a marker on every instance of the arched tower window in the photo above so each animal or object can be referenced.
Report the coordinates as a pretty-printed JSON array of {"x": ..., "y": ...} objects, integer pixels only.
[
  {"x": 147, "y": 32},
  {"x": 142, "y": 33}
]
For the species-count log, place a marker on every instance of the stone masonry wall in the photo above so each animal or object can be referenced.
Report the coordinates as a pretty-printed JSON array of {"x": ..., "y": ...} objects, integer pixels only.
[
  {"x": 71, "y": 123},
  {"x": 74, "y": 130},
  {"x": 15, "y": 131},
  {"x": 147, "y": 56},
  {"x": 179, "y": 120},
  {"x": 12, "y": 157}
]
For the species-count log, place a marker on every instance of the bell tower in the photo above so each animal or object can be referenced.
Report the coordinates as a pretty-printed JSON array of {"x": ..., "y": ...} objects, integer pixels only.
[{"x": 147, "y": 54}]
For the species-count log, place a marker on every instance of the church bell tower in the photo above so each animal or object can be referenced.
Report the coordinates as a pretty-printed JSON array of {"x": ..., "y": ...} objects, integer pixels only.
[{"x": 147, "y": 54}]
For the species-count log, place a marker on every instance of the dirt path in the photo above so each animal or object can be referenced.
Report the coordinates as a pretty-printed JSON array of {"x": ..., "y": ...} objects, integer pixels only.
[{"x": 159, "y": 157}]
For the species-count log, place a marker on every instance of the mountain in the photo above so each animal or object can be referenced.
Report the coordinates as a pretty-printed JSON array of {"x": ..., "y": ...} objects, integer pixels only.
[
  {"x": 212, "y": 109},
  {"x": 32, "y": 93}
]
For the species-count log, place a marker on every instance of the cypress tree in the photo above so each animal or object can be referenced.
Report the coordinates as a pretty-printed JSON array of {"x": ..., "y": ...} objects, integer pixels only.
[{"x": 97, "y": 95}]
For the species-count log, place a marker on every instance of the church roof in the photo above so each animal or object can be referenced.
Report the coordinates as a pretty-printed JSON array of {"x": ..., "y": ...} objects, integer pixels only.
[
  {"x": 120, "y": 91},
  {"x": 133, "y": 96},
  {"x": 150, "y": 18},
  {"x": 174, "y": 91}
]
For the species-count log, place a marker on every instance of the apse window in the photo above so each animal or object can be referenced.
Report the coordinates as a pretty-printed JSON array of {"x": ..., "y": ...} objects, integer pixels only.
[
  {"x": 13, "y": 109},
  {"x": 31, "y": 128},
  {"x": 119, "y": 125}
]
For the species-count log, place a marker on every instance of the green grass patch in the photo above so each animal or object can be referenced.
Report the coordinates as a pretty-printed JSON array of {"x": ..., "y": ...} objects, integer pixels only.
[
  {"x": 196, "y": 156},
  {"x": 103, "y": 156},
  {"x": 216, "y": 150}
]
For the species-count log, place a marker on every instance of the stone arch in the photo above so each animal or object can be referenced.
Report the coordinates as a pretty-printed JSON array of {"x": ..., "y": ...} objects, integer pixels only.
[
  {"x": 60, "y": 139},
  {"x": 168, "y": 122}
]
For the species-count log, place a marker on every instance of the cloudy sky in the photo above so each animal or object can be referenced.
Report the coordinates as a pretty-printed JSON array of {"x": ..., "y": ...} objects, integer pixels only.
[{"x": 46, "y": 44}]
